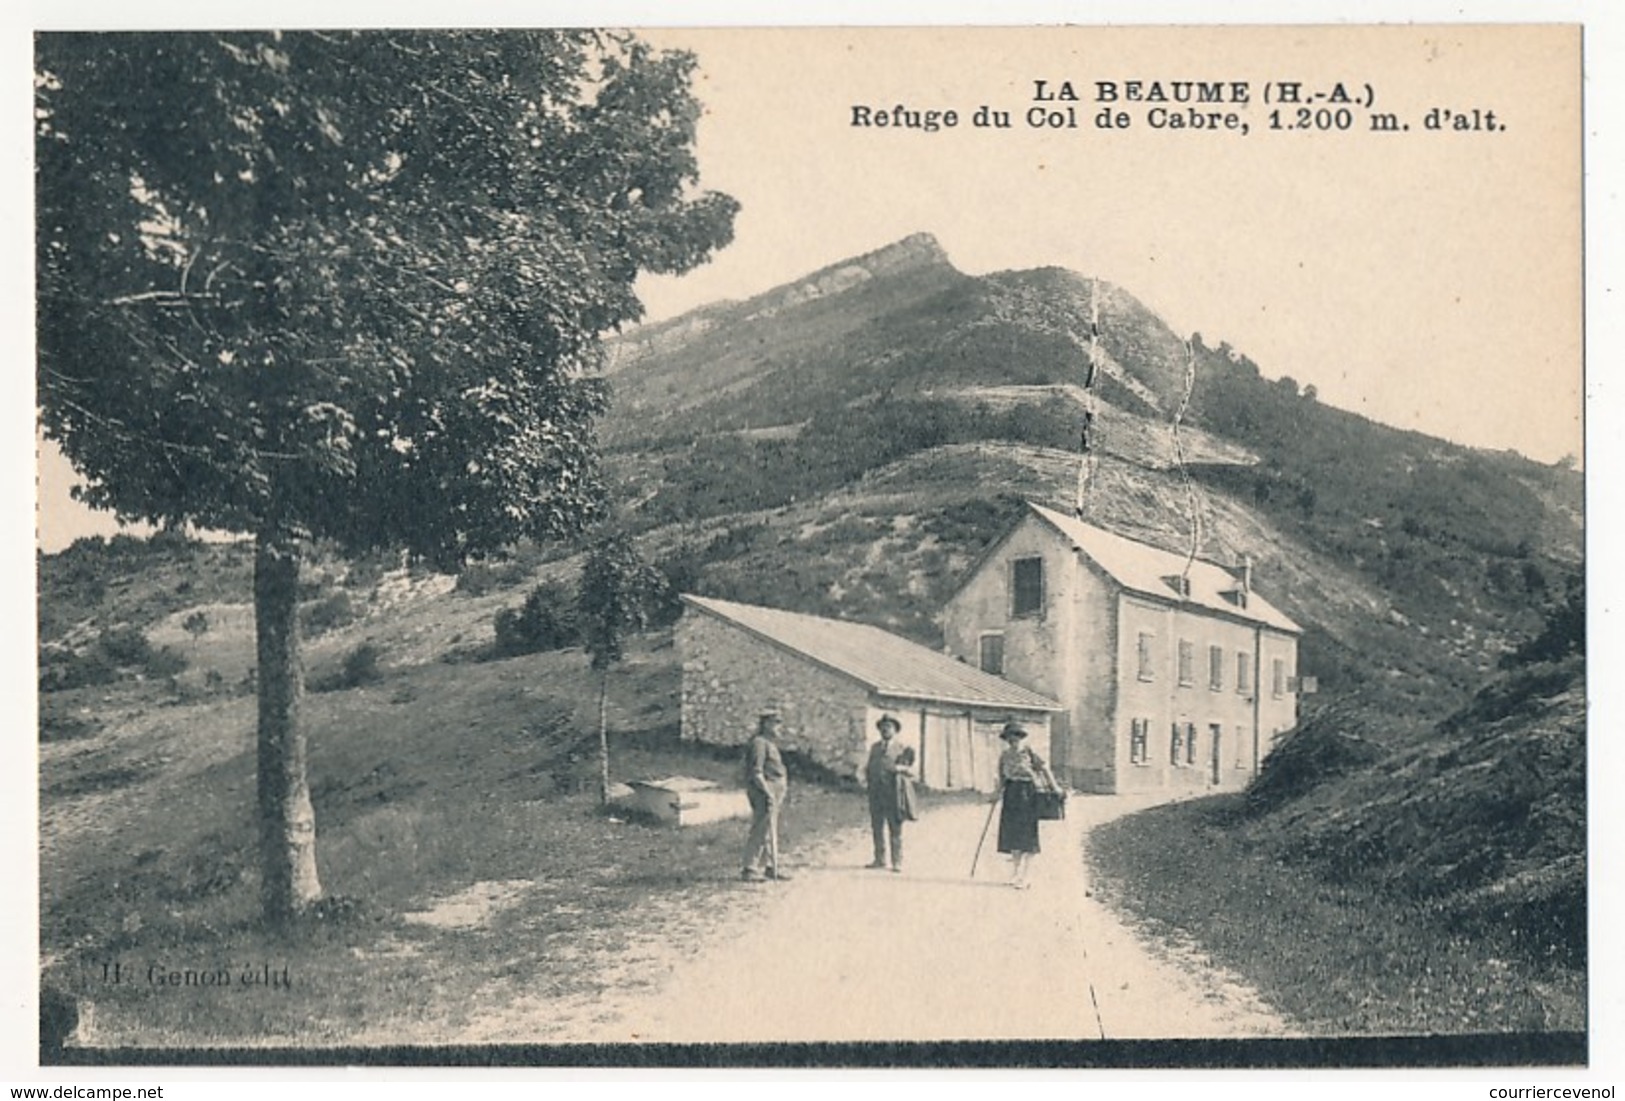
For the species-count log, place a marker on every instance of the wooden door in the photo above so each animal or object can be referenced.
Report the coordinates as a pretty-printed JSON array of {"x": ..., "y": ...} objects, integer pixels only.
[{"x": 953, "y": 759}]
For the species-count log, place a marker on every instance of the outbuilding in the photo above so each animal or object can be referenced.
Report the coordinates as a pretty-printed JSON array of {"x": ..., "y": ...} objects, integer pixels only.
[{"x": 832, "y": 680}]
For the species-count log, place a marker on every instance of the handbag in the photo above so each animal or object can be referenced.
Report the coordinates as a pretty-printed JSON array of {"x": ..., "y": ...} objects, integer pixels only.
[
  {"x": 1051, "y": 805},
  {"x": 1049, "y": 798}
]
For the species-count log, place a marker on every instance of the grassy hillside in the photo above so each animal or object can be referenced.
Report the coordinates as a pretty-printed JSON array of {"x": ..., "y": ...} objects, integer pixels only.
[
  {"x": 1437, "y": 886},
  {"x": 467, "y": 862}
]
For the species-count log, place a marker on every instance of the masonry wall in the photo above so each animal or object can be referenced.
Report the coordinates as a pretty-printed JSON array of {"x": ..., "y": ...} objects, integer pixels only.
[
  {"x": 730, "y": 675},
  {"x": 1066, "y": 651},
  {"x": 1231, "y": 718},
  {"x": 1277, "y": 705},
  {"x": 1038, "y": 648}
]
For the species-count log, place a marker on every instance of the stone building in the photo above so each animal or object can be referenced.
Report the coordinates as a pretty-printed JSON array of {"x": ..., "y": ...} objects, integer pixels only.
[
  {"x": 1170, "y": 677},
  {"x": 833, "y": 680}
]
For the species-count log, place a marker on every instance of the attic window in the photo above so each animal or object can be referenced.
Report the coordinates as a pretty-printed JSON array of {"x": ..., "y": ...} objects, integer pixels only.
[
  {"x": 1180, "y": 583},
  {"x": 1027, "y": 587}
]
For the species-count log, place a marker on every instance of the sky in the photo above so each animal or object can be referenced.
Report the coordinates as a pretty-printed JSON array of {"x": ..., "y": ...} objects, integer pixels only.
[{"x": 1429, "y": 280}]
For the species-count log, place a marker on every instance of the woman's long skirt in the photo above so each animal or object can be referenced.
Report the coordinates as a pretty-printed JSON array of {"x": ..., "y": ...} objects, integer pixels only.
[{"x": 1018, "y": 818}]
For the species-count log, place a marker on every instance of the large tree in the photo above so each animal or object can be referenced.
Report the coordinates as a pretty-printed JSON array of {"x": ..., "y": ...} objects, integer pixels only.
[{"x": 348, "y": 286}]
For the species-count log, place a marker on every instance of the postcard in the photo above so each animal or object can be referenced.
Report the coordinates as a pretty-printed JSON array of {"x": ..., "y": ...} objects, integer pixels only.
[{"x": 812, "y": 546}]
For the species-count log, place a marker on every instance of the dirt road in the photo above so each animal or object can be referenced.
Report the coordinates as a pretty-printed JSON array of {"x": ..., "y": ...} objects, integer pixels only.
[{"x": 846, "y": 953}]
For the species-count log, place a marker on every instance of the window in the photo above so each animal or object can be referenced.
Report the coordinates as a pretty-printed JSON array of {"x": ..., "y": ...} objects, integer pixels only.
[
  {"x": 1147, "y": 668},
  {"x": 1138, "y": 751},
  {"x": 1277, "y": 677},
  {"x": 1176, "y": 746},
  {"x": 1241, "y": 746},
  {"x": 1187, "y": 662},
  {"x": 1215, "y": 668},
  {"x": 1027, "y": 587},
  {"x": 993, "y": 654},
  {"x": 1190, "y": 743},
  {"x": 1244, "y": 673}
]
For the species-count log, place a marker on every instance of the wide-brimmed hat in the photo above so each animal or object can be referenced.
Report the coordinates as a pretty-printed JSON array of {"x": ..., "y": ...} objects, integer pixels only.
[
  {"x": 888, "y": 720},
  {"x": 769, "y": 713},
  {"x": 1012, "y": 731}
]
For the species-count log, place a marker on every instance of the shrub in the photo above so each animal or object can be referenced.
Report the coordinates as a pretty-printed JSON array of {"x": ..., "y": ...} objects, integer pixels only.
[
  {"x": 125, "y": 646},
  {"x": 115, "y": 649},
  {"x": 61, "y": 669},
  {"x": 1329, "y": 744},
  {"x": 328, "y": 613},
  {"x": 546, "y": 621},
  {"x": 58, "y": 725},
  {"x": 166, "y": 661},
  {"x": 360, "y": 667},
  {"x": 196, "y": 624}
]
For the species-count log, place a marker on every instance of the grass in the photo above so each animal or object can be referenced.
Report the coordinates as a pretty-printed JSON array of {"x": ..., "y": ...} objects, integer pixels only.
[
  {"x": 1336, "y": 958},
  {"x": 476, "y": 787}
]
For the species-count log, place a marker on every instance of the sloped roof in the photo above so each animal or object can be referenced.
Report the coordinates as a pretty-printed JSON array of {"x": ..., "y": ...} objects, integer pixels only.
[
  {"x": 882, "y": 661},
  {"x": 1144, "y": 569}
]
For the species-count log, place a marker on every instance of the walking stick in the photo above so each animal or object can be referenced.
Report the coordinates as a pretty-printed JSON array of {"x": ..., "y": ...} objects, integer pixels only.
[{"x": 993, "y": 806}]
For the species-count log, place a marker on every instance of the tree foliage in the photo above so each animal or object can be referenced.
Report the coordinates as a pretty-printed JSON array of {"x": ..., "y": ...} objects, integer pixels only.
[
  {"x": 619, "y": 592},
  {"x": 348, "y": 285},
  {"x": 351, "y": 284}
]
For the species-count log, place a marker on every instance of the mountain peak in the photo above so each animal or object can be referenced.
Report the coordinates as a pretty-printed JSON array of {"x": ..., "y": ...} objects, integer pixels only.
[
  {"x": 916, "y": 248},
  {"x": 918, "y": 252}
]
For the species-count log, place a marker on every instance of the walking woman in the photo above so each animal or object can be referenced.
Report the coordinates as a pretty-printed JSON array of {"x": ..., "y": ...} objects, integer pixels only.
[{"x": 1020, "y": 773}]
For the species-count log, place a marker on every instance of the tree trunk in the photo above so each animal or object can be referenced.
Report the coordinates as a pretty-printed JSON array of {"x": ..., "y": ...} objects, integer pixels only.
[
  {"x": 603, "y": 736},
  {"x": 287, "y": 820}
]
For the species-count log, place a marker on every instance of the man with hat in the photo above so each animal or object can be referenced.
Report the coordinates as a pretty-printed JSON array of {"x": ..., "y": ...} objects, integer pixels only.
[
  {"x": 766, "y": 784},
  {"x": 889, "y": 774}
]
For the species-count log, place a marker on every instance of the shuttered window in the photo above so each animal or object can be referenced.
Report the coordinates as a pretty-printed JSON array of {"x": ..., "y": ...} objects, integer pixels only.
[
  {"x": 1187, "y": 662},
  {"x": 1027, "y": 587},
  {"x": 1215, "y": 668},
  {"x": 1147, "y": 668}
]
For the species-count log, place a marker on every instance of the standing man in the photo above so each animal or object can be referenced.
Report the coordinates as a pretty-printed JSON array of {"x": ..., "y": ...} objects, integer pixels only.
[
  {"x": 889, "y": 768},
  {"x": 766, "y": 784}
]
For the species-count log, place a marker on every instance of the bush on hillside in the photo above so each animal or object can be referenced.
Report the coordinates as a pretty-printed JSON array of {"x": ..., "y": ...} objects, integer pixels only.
[
  {"x": 125, "y": 645},
  {"x": 359, "y": 667},
  {"x": 115, "y": 652},
  {"x": 1325, "y": 746},
  {"x": 1562, "y": 634},
  {"x": 546, "y": 621},
  {"x": 327, "y": 613}
]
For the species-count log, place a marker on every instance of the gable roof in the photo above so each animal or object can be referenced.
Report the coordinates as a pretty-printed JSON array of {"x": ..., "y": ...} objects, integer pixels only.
[
  {"x": 1144, "y": 569},
  {"x": 878, "y": 659}
]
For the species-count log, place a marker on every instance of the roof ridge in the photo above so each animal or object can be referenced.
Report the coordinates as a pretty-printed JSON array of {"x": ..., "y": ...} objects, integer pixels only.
[{"x": 883, "y": 661}]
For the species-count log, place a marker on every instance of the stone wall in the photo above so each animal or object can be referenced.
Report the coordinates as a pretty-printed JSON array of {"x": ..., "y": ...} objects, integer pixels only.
[{"x": 730, "y": 675}]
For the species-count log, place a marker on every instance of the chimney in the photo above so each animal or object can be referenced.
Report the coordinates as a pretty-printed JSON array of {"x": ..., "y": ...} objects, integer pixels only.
[{"x": 1244, "y": 573}]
